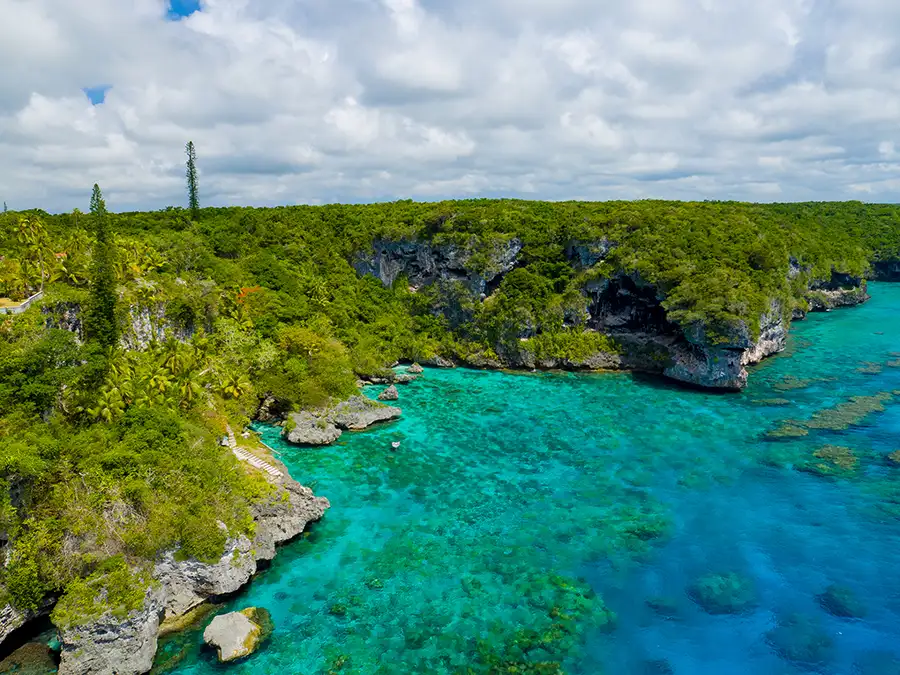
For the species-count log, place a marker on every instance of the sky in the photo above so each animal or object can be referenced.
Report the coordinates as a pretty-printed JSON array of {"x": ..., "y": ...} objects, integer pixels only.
[{"x": 317, "y": 101}]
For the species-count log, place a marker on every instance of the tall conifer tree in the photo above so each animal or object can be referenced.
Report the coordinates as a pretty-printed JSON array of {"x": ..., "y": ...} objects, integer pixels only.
[
  {"x": 193, "y": 198},
  {"x": 100, "y": 318}
]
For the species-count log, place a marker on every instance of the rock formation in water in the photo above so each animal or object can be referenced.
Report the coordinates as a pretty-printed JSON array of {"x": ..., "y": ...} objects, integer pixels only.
[
  {"x": 620, "y": 305},
  {"x": 112, "y": 645},
  {"x": 324, "y": 426},
  {"x": 389, "y": 394},
  {"x": 238, "y": 634}
]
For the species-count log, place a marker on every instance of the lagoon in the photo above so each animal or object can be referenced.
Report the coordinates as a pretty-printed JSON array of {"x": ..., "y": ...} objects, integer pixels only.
[{"x": 559, "y": 522}]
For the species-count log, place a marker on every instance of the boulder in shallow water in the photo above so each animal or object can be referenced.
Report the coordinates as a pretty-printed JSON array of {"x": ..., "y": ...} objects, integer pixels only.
[
  {"x": 415, "y": 369},
  {"x": 800, "y": 640},
  {"x": 723, "y": 594},
  {"x": 238, "y": 634},
  {"x": 305, "y": 428},
  {"x": 34, "y": 658},
  {"x": 389, "y": 394},
  {"x": 877, "y": 663},
  {"x": 841, "y": 602}
]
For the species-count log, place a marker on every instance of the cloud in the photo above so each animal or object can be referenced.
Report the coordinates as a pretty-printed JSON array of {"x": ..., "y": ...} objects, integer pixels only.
[{"x": 360, "y": 100}]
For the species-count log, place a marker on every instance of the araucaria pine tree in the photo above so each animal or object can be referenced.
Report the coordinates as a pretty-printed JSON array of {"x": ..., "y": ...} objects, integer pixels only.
[
  {"x": 100, "y": 323},
  {"x": 193, "y": 199}
]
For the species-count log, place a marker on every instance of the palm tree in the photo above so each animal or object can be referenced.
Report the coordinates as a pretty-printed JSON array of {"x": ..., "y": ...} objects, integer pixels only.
[
  {"x": 33, "y": 236},
  {"x": 233, "y": 385},
  {"x": 110, "y": 405}
]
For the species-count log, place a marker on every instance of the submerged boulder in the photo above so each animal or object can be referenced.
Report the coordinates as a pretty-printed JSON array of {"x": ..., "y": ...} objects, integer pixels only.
[
  {"x": 723, "y": 593},
  {"x": 33, "y": 658},
  {"x": 238, "y": 634},
  {"x": 841, "y": 602},
  {"x": 389, "y": 394},
  {"x": 800, "y": 640}
]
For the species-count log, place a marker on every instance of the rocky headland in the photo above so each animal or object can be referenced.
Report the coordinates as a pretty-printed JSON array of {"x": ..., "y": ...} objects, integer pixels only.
[{"x": 112, "y": 644}]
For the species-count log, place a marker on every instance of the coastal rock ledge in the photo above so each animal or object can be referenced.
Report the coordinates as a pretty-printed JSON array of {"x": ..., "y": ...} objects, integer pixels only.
[
  {"x": 112, "y": 645},
  {"x": 324, "y": 426}
]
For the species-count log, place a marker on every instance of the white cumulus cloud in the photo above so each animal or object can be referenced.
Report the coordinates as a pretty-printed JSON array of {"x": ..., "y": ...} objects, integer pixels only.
[{"x": 358, "y": 100}]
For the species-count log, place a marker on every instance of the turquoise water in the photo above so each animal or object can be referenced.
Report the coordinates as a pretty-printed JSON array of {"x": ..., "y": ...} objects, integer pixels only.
[{"x": 564, "y": 518}]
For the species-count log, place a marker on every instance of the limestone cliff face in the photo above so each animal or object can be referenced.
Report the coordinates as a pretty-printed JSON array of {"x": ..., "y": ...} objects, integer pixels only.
[
  {"x": 144, "y": 324},
  {"x": 622, "y": 305},
  {"x": 474, "y": 266},
  {"x": 126, "y": 646},
  {"x": 112, "y": 645},
  {"x": 885, "y": 270}
]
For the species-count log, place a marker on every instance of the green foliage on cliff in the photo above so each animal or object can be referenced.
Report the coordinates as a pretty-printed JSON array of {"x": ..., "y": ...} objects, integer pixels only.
[{"x": 113, "y": 589}]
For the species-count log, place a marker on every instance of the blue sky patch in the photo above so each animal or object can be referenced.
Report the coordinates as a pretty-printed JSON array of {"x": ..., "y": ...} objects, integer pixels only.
[
  {"x": 179, "y": 9},
  {"x": 97, "y": 95}
]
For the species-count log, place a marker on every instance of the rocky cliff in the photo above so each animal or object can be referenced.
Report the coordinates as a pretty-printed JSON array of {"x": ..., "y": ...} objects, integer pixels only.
[
  {"x": 324, "y": 426},
  {"x": 620, "y": 305},
  {"x": 112, "y": 645},
  {"x": 885, "y": 270},
  {"x": 143, "y": 325},
  {"x": 474, "y": 264}
]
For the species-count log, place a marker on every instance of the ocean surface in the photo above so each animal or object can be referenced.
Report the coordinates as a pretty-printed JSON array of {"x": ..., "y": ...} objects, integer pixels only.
[{"x": 604, "y": 524}]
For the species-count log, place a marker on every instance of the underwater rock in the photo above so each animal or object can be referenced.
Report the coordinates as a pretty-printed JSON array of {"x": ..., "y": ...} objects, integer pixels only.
[
  {"x": 877, "y": 663},
  {"x": 723, "y": 594},
  {"x": 800, "y": 640},
  {"x": 34, "y": 658},
  {"x": 841, "y": 602},
  {"x": 415, "y": 369},
  {"x": 665, "y": 607},
  {"x": 389, "y": 394},
  {"x": 831, "y": 460},
  {"x": 657, "y": 667},
  {"x": 306, "y": 428},
  {"x": 238, "y": 634},
  {"x": 111, "y": 645}
]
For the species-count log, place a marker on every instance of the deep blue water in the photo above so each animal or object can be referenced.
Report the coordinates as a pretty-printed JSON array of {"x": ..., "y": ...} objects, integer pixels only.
[{"x": 542, "y": 502}]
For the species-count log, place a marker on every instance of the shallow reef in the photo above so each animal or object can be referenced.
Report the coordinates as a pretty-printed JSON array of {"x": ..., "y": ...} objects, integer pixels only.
[
  {"x": 723, "y": 593},
  {"x": 551, "y": 523}
]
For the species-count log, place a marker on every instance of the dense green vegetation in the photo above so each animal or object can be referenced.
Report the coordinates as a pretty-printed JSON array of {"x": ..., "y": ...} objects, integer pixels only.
[{"x": 190, "y": 321}]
